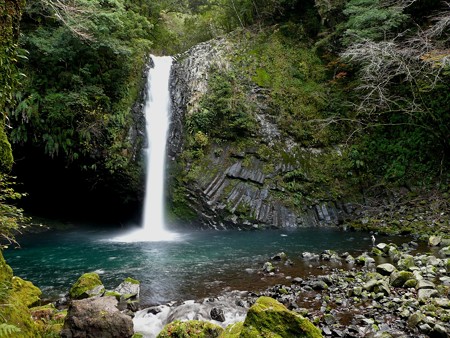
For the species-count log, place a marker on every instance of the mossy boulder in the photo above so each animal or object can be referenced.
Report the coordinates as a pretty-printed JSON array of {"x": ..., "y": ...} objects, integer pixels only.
[
  {"x": 232, "y": 330},
  {"x": 399, "y": 278},
  {"x": 191, "y": 329},
  {"x": 269, "y": 318},
  {"x": 88, "y": 285},
  {"x": 15, "y": 296},
  {"x": 26, "y": 291}
]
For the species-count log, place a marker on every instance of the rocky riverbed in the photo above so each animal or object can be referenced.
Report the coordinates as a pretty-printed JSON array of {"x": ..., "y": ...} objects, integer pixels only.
[{"x": 391, "y": 291}]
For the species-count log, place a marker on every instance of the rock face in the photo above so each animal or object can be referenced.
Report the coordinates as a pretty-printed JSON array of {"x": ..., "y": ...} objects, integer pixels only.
[
  {"x": 96, "y": 317},
  {"x": 236, "y": 185}
]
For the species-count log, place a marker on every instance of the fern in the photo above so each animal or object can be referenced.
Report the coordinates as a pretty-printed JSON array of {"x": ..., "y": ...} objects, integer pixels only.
[{"x": 7, "y": 330}]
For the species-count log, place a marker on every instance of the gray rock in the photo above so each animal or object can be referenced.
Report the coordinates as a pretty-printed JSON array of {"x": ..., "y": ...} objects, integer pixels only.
[
  {"x": 425, "y": 294},
  {"x": 385, "y": 269},
  {"x": 96, "y": 317},
  {"x": 434, "y": 240},
  {"x": 128, "y": 289},
  {"x": 425, "y": 284},
  {"x": 217, "y": 314},
  {"x": 439, "y": 331},
  {"x": 445, "y": 252},
  {"x": 268, "y": 267}
]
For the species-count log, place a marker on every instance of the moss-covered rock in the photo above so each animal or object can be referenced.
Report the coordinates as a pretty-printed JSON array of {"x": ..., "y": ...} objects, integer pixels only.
[
  {"x": 269, "y": 318},
  {"x": 232, "y": 330},
  {"x": 399, "y": 278},
  {"x": 26, "y": 291},
  {"x": 15, "y": 297},
  {"x": 191, "y": 329},
  {"x": 88, "y": 285}
]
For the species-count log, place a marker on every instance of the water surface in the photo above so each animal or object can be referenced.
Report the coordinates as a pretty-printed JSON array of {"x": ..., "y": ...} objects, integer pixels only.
[{"x": 198, "y": 264}]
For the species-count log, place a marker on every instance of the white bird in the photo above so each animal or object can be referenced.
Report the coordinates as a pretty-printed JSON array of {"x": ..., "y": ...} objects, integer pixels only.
[{"x": 373, "y": 240}]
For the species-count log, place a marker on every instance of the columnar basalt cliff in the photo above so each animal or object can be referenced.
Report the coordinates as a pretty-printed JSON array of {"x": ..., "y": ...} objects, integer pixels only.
[{"x": 240, "y": 182}]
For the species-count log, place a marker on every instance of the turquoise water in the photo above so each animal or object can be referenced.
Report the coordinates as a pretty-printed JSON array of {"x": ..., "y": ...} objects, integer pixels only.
[{"x": 199, "y": 264}]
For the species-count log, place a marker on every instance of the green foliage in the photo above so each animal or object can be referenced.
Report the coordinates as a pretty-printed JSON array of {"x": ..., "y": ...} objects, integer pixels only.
[
  {"x": 8, "y": 330},
  {"x": 294, "y": 77},
  {"x": 225, "y": 112},
  {"x": 84, "y": 75},
  {"x": 12, "y": 219},
  {"x": 373, "y": 20}
]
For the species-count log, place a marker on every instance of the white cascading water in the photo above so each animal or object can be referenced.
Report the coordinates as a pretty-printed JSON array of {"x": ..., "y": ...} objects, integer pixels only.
[{"x": 157, "y": 116}]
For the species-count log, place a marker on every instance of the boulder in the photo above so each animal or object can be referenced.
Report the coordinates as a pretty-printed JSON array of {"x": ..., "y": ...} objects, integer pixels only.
[
  {"x": 281, "y": 256},
  {"x": 217, "y": 314},
  {"x": 434, "y": 240},
  {"x": 424, "y": 294},
  {"x": 385, "y": 269},
  {"x": 269, "y": 318},
  {"x": 129, "y": 288},
  {"x": 26, "y": 291},
  {"x": 96, "y": 317},
  {"x": 399, "y": 278},
  {"x": 406, "y": 262},
  {"x": 191, "y": 329},
  {"x": 88, "y": 285},
  {"x": 445, "y": 252},
  {"x": 425, "y": 284}
]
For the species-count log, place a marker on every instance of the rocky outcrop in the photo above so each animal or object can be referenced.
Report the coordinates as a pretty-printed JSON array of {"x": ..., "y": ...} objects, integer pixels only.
[
  {"x": 97, "y": 317},
  {"x": 95, "y": 312},
  {"x": 235, "y": 185},
  {"x": 242, "y": 184}
]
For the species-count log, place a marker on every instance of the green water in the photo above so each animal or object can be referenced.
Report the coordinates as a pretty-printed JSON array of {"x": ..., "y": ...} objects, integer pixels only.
[{"x": 199, "y": 264}]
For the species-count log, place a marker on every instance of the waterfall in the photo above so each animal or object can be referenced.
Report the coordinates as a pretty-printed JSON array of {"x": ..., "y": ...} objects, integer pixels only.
[{"x": 157, "y": 116}]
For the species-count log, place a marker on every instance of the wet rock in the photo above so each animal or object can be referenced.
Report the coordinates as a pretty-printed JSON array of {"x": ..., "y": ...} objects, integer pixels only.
[
  {"x": 96, "y": 317},
  {"x": 279, "y": 257},
  {"x": 309, "y": 256},
  {"x": 268, "y": 267},
  {"x": 319, "y": 285},
  {"x": 385, "y": 269},
  {"x": 217, "y": 314}
]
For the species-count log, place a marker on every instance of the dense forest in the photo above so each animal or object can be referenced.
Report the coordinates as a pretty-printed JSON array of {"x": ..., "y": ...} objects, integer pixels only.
[{"x": 369, "y": 75}]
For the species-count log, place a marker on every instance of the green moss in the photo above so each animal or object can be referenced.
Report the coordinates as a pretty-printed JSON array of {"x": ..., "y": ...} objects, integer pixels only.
[
  {"x": 6, "y": 157},
  {"x": 48, "y": 320},
  {"x": 28, "y": 293},
  {"x": 190, "y": 329},
  {"x": 232, "y": 330},
  {"x": 269, "y": 318},
  {"x": 131, "y": 280},
  {"x": 84, "y": 284}
]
